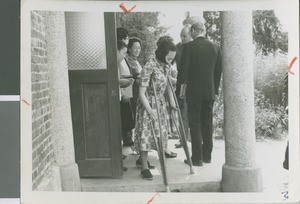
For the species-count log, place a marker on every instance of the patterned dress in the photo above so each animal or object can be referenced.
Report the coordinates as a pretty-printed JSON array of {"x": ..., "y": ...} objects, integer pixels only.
[
  {"x": 156, "y": 71},
  {"x": 172, "y": 125}
]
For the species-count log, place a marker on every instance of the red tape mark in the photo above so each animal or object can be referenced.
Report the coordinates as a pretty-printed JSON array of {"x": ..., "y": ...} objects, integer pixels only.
[
  {"x": 150, "y": 201},
  {"x": 25, "y": 102},
  {"x": 125, "y": 9},
  {"x": 291, "y": 64}
]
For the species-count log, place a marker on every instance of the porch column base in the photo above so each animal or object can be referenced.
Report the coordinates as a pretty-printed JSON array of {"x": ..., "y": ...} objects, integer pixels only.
[
  {"x": 242, "y": 179},
  {"x": 70, "y": 179}
]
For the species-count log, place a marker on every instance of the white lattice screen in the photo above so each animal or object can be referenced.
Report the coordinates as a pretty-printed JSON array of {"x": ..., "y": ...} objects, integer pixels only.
[{"x": 85, "y": 40}]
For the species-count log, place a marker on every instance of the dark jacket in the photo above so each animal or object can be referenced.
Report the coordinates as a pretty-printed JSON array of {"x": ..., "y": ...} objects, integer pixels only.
[
  {"x": 200, "y": 68},
  {"x": 179, "y": 48}
]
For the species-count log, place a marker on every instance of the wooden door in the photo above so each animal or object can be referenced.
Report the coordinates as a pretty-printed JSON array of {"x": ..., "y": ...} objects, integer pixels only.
[{"x": 96, "y": 113}]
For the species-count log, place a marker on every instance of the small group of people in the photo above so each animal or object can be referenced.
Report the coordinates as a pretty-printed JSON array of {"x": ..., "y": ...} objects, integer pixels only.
[{"x": 146, "y": 97}]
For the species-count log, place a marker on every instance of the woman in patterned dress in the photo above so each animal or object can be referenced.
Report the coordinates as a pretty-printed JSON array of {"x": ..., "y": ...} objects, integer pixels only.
[
  {"x": 173, "y": 78},
  {"x": 156, "y": 70}
]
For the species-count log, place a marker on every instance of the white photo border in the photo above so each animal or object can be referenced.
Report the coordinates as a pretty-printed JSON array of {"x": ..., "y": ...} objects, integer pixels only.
[{"x": 28, "y": 196}]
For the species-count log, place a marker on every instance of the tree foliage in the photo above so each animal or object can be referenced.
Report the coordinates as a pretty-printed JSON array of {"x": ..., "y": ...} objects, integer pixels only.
[
  {"x": 213, "y": 26},
  {"x": 268, "y": 35},
  {"x": 267, "y": 32},
  {"x": 212, "y": 23},
  {"x": 268, "y": 38},
  {"x": 146, "y": 26}
]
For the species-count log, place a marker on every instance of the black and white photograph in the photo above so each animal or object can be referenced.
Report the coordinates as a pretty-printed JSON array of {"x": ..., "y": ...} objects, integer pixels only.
[{"x": 159, "y": 102}]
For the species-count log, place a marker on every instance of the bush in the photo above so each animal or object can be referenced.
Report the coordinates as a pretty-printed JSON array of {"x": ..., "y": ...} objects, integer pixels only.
[
  {"x": 218, "y": 114},
  {"x": 269, "y": 76},
  {"x": 269, "y": 119},
  {"x": 270, "y": 82}
]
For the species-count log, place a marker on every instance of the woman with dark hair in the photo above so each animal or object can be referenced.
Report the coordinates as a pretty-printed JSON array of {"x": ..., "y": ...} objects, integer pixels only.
[
  {"x": 133, "y": 51},
  {"x": 173, "y": 78},
  {"x": 173, "y": 68},
  {"x": 154, "y": 75},
  {"x": 123, "y": 35}
]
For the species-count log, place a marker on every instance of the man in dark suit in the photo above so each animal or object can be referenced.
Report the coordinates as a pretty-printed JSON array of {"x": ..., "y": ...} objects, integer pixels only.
[{"x": 202, "y": 61}]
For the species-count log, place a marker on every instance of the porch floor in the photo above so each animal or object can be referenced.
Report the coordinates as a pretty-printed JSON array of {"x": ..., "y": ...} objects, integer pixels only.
[{"x": 206, "y": 178}]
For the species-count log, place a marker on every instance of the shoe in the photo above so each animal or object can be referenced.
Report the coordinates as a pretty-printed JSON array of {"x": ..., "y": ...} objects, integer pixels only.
[
  {"x": 146, "y": 174},
  {"x": 179, "y": 145},
  {"x": 170, "y": 155},
  {"x": 124, "y": 168},
  {"x": 207, "y": 160},
  {"x": 198, "y": 163},
  {"x": 124, "y": 156},
  {"x": 134, "y": 151},
  {"x": 138, "y": 163}
]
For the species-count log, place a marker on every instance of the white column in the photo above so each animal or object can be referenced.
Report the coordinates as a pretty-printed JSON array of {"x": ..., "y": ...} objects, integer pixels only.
[
  {"x": 240, "y": 172},
  {"x": 61, "y": 126}
]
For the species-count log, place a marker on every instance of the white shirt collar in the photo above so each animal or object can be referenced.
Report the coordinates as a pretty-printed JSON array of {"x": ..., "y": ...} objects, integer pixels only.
[{"x": 200, "y": 35}]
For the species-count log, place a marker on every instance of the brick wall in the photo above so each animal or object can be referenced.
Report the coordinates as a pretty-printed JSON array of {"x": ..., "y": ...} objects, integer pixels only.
[{"x": 42, "y": 150}]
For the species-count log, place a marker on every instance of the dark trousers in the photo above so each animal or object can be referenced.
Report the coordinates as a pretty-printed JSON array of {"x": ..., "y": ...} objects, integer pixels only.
[
  {"x": 127, "y": 121},
  {"x": 134, "y": 99},
  {"x": 200, "y": 122},
  {"x": 184, "y": 113}
]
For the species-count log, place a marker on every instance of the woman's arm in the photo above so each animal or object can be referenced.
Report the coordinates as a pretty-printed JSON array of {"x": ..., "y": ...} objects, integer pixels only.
[
  {"x": 124, "y": 83},
  {"x": 145, "y": 102},
  {"x": 133, "y": 65},
  {"x": 173, "y": 80}
]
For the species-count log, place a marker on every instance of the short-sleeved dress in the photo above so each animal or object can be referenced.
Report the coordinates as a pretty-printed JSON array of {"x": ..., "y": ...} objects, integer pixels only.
[{"x": 158, "y": 72}]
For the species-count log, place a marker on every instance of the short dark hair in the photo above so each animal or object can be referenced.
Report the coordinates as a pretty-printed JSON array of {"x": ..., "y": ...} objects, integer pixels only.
[
  {"x": 164, "y": 38},
  {"x": 122, "y": 33},
  {"x": 120, "y": 45},
  {"x": 163, "y": 49},
  {"x": 131, "y": 41}
]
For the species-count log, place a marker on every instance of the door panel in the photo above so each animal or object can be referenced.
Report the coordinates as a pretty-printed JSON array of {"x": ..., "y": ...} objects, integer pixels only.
[
  {"x": 96, "y": 109},
  {"x": 96, "y": 112}
]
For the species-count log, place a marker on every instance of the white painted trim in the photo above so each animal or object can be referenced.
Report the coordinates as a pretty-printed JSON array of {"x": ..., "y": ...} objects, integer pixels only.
[
  {"x": 9, "y": 97},
  {"x": 9, "y": 200}
]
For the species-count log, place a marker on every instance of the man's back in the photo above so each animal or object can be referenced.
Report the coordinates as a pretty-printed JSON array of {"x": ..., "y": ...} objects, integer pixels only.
[
  {"x": 203, "y": 59},
  {"x": 179, "y": 48}
]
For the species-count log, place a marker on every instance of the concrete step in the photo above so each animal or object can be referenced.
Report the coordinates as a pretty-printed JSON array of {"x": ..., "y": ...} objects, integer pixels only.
[
  {"x": 97, "y": 185},
  {"x": 207, "y": 178}
]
